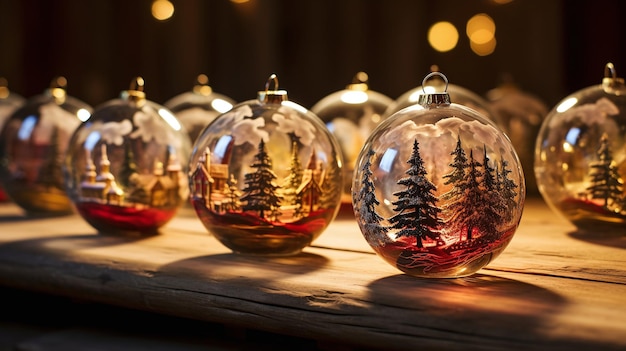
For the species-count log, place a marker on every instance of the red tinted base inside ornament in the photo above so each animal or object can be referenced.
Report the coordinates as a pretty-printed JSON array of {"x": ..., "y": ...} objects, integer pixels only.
[
  {"x": 39, "y": 200},
  {"x": 247, "y": 233},
  {"x": 460, "y": 259},
  {"x": 593, "y": 216},
  {"x": 113, "y": 219},
  {"x": 3, "y": 196}
]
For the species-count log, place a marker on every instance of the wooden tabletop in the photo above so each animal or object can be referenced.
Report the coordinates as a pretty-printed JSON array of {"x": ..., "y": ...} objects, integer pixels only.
[{"x": 552, "y": 288}]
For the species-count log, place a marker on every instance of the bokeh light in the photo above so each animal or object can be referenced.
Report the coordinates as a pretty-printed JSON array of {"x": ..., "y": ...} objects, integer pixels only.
[
  {"x": 443, "y": 36},
  {"x": 162, "y": 10}
]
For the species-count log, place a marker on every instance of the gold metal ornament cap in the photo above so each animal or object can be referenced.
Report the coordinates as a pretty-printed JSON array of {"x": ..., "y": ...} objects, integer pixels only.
[
  {"x": 359, "y": 82},
  {"x": 202, "y": 86},
  {"x": 135, "y": 93},
  {"x": 272, "y": 96},
  {"x": 57, "y": 89},
  {"x": 434, "y": 99}
]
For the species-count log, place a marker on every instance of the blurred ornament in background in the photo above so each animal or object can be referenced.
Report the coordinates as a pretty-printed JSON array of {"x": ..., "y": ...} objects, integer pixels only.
[
  {"x": 195, "y": 109},
  {"x": 9, "y": 102},
  {"x": 33, "y": 142},
  {"x": 439, "y": 190},
  {"x": 458, "y": 94},
  {"x": 126, "y": 167},
  {"x": 265, "y": 177},
  {"x": 580, "y": 156},
  {"x": 351, "y": 115},
  {"x": 520, "y": 115}
]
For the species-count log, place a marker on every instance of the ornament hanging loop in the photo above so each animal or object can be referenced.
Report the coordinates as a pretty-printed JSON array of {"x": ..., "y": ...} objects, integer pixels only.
[
  {"x": 272, "y": 96},
  {"x": 611, "y": 83},
  {"x": 432, "y": 74}
]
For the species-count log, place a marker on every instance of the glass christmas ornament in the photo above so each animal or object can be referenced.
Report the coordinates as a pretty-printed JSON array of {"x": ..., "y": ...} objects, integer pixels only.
[
  {"x": 32, "y": 144},
  {"x": 198, "y": 107},
  {"x": 580, "y": 156},
  {"x": 520, "y": 115},
  {"x": 9, "y": 102},
  {"x": 265, "y": 177},
  {"x": 438, "y": 190},
  {"x": 351, "y": 115},
  {"x": 458, "y": 94},
  {"x": 126, "y": 167}
]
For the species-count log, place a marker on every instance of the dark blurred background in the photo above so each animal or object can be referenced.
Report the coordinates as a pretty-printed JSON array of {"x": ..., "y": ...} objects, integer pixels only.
[{"x": 550, "y": 48}]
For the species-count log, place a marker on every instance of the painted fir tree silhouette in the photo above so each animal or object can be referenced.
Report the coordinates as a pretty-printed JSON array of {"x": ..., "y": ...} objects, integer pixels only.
[
  {"x": 260, "y": 192},
  {"x": 506, "y": 187},
  {"x": 417, "y": 212},
  {"x": 366, "y": 202},
  {"x": 491, "y": 205},
  {"x": 128, "y": 167},
  {"x": 50, "y": 173},
  {"x": 606, "y": 183}
]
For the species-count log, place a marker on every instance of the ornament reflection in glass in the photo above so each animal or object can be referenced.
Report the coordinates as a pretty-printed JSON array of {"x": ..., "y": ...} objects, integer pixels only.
[
  {"x": 580, "y": 156},
  {"x": 32, "y": 144},
  {"x": 351, "y": 115},
  {"x": 266, "y": 177},
  {"x": 197, "y": 108},
  {"x": 9, "y": 102},
  {"x": 438, "y": 190},
  {"x": 126, "y": 167}
]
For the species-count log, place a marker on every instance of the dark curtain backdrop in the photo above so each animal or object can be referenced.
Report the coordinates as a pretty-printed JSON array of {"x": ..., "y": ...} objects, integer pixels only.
[{"x": 550, "y": 48}]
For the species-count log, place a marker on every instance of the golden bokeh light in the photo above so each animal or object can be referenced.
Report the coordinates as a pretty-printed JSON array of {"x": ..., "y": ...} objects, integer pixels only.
[
  {"x": 483, "y": 49},
  {"x": 480, "y": 22},
  {"x": 162, "y": 9},
  {"x": 443, "y": 36}
]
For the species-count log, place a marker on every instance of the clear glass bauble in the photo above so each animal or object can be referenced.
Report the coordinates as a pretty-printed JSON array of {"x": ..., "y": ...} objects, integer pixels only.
[
  {"x": 265, "y": 177},
  {"x": 460, "y": 95},
  {"x": 126, "y": 167},
  {"x": 351, "y": 114},
  {"x": 439, "y": 190},
  {"x": 520, "y": 115},
  {"x": 197, "y": 108},
  {"x": 580, "y": 156},
  {"x": 9, "y": 102},
  {"x": 33, "y": 142}
]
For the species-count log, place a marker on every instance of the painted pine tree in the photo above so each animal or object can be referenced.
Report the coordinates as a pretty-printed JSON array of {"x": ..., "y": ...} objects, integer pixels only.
[
  {"x": 507, "y": 189},
  {"x": 366, "y": 202},
  {"x": 128, "y": 166},
  {"x": 606, "y": 183},
  {"x": 491, "y": 206},
  {"x": 260, "y": 190},
  {"x": 417, "y": 212},
  {"x": 332, "y": 185},
  {"x": 468, "y": 215},
  {"x": 454, "y": 198},
  {"x": 50, "y": 173}
]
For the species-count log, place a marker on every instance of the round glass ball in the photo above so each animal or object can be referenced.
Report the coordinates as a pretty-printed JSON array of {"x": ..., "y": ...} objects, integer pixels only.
[
  {"x": 33, "y": 142},
  {"x": 197, "y": 108},
  {"x": 351, "y": 114},
  {"x": 9, "y": 102},
  {"x": 438, "y": 191},
  {"x": 580, "y": 156},
  {"x": 265, "y": 177},
  {"x": 126, "y": 166}
]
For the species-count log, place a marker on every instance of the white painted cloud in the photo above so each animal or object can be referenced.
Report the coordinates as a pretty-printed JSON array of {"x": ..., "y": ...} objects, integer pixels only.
[
  {"x": 51, "y": 116},
  {"x": 232, "y": 117},
  {"x": 589, "y": 114},
  {"x": 249, "y": 130},
  {"x": 114, "y": 132},
  {"x": 293, "y": 123}
]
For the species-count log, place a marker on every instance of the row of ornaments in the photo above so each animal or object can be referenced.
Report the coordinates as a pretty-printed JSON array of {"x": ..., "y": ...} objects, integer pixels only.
[{"x": 445, "y": 208}]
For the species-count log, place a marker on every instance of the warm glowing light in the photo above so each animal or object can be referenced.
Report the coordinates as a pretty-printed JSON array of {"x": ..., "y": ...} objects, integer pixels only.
[
  {"x": 83, "y": 114},
  {"x": 221, "y": 105},
  {"x": 443, "y": 36},
  {"x": 239, "y": 1},
  {"x": 481, "y": 36},
  {"x": 169, "y": 118},
  {"x": 483, "y": 49},
  {"x": 501, "y": 2},
  {"x": 480, "y": 22},
  {"x": 354, "y": 97},
  {"x": 162, "y": 10},
  {"x": 566, "y": 105},
  {"x": 567, "y": 147}
]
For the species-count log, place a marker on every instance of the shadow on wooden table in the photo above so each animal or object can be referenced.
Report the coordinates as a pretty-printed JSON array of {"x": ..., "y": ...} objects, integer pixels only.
[{"x": 611, "y": 239}]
